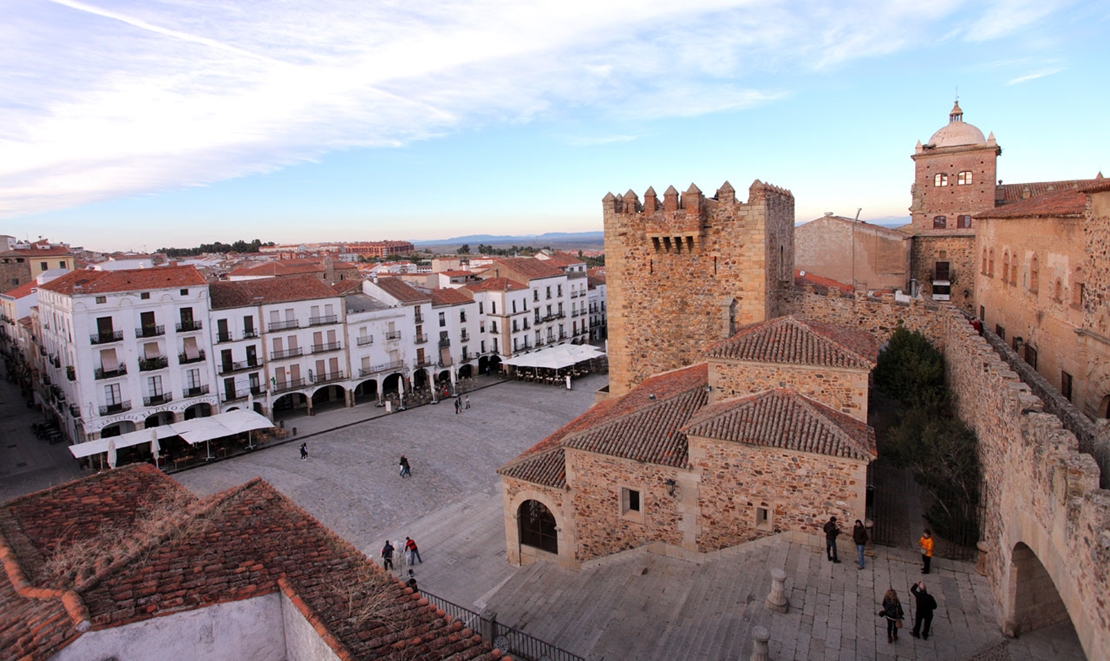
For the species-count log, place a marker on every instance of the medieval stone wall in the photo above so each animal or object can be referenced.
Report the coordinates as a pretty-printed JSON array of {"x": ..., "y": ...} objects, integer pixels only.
[
  {"x": 683, "y": 272},
  {"x": 799, "y": 490},
  {"x": 843, "y": 390},
  {"x": 515, "y": 492},
  {"x": 959, "y": 252}
]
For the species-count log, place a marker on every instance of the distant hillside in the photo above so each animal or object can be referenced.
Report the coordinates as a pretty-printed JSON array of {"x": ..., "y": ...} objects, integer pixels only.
[{"x": 519, "y": 239}]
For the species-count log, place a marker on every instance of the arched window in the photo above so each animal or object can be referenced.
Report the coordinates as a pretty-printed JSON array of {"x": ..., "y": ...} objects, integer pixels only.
[
  {"x": 1077, "y": 289},
  {"x": 1058, "y": 290},
  {"x": 963, "y": 221},
  {"x": 1013, "y": 270},
  {"x": 1034, "y": 274},
  {"x": 990, "y": 263},
  {"x": 940, "y": 180},
  {"x": 537, "y": 526},
  {"x": 963, "y": 178},
  {"x": 940, "y": 222},
  {"x": 983, "y": 269},
  {"x": 1005, "y": 266}
]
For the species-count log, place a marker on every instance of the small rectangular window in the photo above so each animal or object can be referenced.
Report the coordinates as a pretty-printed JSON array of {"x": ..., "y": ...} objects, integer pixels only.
[
  {"x": 763, "y": 518},
  {"x": 101, "y": 300},
  {"x": 940, "y": 180},
  {"x": 145, "y": 296},
  {"x": 631, "y": 504},
  {"x": 45, "y": 266},
  {"x": 1065, "y": 385},
  {"x": 1000, "y": 332},
  {"x": 184, "y": 292}
]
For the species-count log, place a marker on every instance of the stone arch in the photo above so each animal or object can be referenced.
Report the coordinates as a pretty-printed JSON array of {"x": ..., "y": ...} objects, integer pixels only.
[
  {"x": 466, "y": 371},
  {"x": 494, "y": 364},
  {"x": 521, "y": 553},
  {"x": 199, "y": 410},
  {"x": 289, "y": 401},
  {"x": 118, "y": 429},
  {"x": 483, "y": 365},
  {"x": 1032, "y": 599},
  {"x": 393, "y": 383},
  {"x": 366, "y": 391},
  {"x": 419, "y": 378},
  {"x": 328, "y": 396},
  {"x": 160, "y": 418},
  {"x": 536, "y": 526}
]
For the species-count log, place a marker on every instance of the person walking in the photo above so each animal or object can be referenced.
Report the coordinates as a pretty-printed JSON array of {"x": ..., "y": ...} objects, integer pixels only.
[
  {"x": 892, "y": 611},
  {"x": 414, "y": 553},
  {"x": 468, "y": 401},
  {"x": 926, "y": 543},
  {"x": 304, "y": 451},
  {"x": 859, "y": 536},
  {"x": 831, "y": 531},
  {"x": 458, "y": 405},
  {"x": 923, "y": 611},
  {"x": 387, "y": 555},
  {"x": 412, "y": 582},
  {"x": 406, "y": 470}
]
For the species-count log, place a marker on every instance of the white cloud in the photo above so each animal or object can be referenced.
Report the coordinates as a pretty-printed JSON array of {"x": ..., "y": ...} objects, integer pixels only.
[
  {"x": 140, "y": 96},
  {"x": 1034, "y": 75}
]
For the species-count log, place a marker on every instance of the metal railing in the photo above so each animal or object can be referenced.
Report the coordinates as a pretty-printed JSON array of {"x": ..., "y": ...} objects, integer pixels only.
[
  {"x": 187, "y": 326},
  {"x": 328, "y": 377},
  {"x": 286, "y": 353},
  {"x": 185, "y": 359},
  {"x": 508, "y": 640},
  {"x": 284, "y": 325},
  {"x": 224, "y": 337},
  {"x": 320, "y": 321},
  {"x": 115, "y": 408},
  {"x": 383, "y": 367},
  {"x": 363, "y": 341},
  {"x": 101, "y": 373},
  {"x": 421, "y": 338},
  {"x": 330, "y": 346},
  {"x": 393, "y": 335},
  {"x": 150, "y": 331},
  {"x": 195, "y": 391},
  {"x": 228, "y": 368},
  {"x": 150, "y": 364},
  {"x": 158, "y": 399},
  {"x": 291, "y": 384},
  {"x": 105, "y": 337}
]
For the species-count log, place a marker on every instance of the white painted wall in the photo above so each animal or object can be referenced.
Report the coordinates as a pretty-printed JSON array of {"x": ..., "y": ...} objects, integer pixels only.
[{"x": 302, "y": 643}]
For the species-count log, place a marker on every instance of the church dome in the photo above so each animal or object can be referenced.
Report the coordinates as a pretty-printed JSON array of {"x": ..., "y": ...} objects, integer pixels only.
[{"x": 957, "y": 132}]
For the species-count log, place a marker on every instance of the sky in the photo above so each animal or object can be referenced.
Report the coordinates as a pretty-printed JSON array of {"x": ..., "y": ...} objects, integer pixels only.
[{"x": 154, "y": 123}]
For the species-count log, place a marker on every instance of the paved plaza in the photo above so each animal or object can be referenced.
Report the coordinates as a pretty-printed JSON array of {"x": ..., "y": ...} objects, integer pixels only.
[{"x": 634, "y": 605}]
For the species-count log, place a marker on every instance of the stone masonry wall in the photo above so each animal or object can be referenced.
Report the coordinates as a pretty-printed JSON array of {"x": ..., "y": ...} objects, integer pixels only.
[
  {"x": 683, "y": 272},
  {"x": 802, "y": 490},
  {"x": 843, "y": 390},
  {"x": 959, "y": 252},
  {"x": 513, "y": 493},
  {"x": 877, "y": 316}
]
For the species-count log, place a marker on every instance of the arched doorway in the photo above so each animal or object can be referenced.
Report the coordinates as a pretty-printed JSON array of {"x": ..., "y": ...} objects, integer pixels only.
[
  {"x": 483, "y": 365},
  {"x": 289, "y": 402},
  {"x": 329, "y": 397},
  {"x": 158, "y": 419},
  {"x": 537, "y": 526},
  {"x": 466, "y": 371},
  {"x": 366, "y": 391},
  {"x": 117, "y": 429},
  {"x": 201, "y": 410},
  {"x": 419, "y": 379},
  {"x": 392, "y": 384},
  {"x": 494, "y": 364},
  {"x": 1035, "y": 603}
]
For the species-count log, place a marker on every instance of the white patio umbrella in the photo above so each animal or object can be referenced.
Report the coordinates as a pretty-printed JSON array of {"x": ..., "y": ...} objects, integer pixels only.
[
  {"x": 155, "y": 446},
  {"x": 111, "y": 453}
]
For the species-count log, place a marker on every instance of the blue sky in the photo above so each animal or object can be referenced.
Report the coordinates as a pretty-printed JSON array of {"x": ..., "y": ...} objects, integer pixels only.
[{"x": 144, "y": 124}]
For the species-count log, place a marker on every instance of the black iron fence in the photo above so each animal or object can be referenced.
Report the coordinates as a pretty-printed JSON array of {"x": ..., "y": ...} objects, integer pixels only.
[{"x": 510, "y": 641}]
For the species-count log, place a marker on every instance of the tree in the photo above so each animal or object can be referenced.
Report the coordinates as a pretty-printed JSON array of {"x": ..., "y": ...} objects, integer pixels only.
[
  {"x": 464, "y": 249},
  {"x": 911, "y": 370}
]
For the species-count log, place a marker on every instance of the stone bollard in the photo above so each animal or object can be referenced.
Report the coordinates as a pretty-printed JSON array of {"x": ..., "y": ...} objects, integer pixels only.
[
  {"x": 760, "y": 637},
  {"x": 981, "y": 561},
  {"x": 777, "y": 600}
]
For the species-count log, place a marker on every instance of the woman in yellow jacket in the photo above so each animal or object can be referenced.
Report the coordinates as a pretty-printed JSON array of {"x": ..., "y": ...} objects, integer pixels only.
[{"x": 926, "y": 543}]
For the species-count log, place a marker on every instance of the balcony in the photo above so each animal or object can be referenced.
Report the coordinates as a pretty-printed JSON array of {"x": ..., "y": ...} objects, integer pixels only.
[
  {"x": 493, "y": 330},
  {"x": 284, "y": 325},
  {"x": 423, "y": 362},
  {"x": 101, "y": 373},
  {"x": 421, "y": 338},
  {"x": 286, "y": 353},
  {"x": 185, "y": 359},
  {"x": 465, "y": 337},
  {"x": 115, "y": 408},
  {"x": 393, "y": 335},
  {"x": 575, "y": 294},
  {"x": 151, "y": 364},
  {"x": 467, "y": 356},
  {"x": 384, "y": 367},
  {"x": 155, "y": 400},
  {"x": 150, "y": 331},
  {"x": 444, "y": 343},
  {"x": 292, "y": 384},
  {"x": 419, "y": 316},
  {"x": 195, "y": 391},
  {"x": 321, "y": 321},
  {"x": 105, "y": 337},
  {"x": 229, "y": 368},
  {"x": 71, "y": 373},
  {"x": 364, "y": 341},
  {"x": 224, "y": 337},
  {"x": 328, "y": 346},
  {"x": 328, "y": 377},
  {"x": 189, "y": 326},
  {"x": 250, "y": 334}
]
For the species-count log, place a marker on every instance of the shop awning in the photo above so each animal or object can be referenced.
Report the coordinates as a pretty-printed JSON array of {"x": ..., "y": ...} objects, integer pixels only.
[
  {"x": 557, "y": 357},
  {"x": 197, "y": 430}
]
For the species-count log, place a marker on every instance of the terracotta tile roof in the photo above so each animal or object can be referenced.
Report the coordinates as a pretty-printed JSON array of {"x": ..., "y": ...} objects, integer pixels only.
[
  {"x": 593, "y": 281},
  {"x": 782, "y": 418},
  {"x": 26, "y": 289},
  {"x": 527, "y": 267},
  {"x": 347, "y": 286},
  {"x": 152, "y": 544},
  {"x": 450, "y": 296},
  {"x": 280, "y": 268},
  {"x": 802, "y": 278},
  {"x": 31, "y": 253},
  {"x": 562, "y": 260},
  {"x": 1012, "y": 193},
  {"x": 495, "y": 284},
  {"x": 799, "y": 342},
  {"x": 126, "y": 280},
  {"x": 244, "y": 293},
  {"x": 402, "y": 291},
  {"x": 541, "y": 463},
  {"x": 1060, "y": 204},
  {"x": 454, "y": 273}
]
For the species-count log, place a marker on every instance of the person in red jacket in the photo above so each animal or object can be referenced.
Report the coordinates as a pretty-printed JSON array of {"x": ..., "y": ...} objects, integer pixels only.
[{"x": 414, "y": 553}]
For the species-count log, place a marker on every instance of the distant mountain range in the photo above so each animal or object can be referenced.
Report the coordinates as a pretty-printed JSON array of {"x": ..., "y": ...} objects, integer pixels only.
[{"x": 518, "y": 239}]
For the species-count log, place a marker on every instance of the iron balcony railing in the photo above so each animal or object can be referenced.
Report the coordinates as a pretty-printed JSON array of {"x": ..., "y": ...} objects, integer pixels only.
[
  {"x": 465, "y": 337},
  {"x": 115, "y": 408},
  {"x": 151, "y": 364},
  {"x": 224, "y": 337},
  {"x": 383, "y": 367},
  {"x": 291, "y": 384},
  {"x": 419, "y": 317},
  {"x": 444, "y": 343},
  {"x": 250, "y": 333},
  {"x": 328, "y": 377},
  {"x": 185, "y": 359},
  {"x": 286, "y": 353},
  {"x": 106, "y": 337},
  {"x": 421, "y": 338},
  {"x": 188, "y": 326},
  {"x": 228, "y": 368},
  {"x": 321, "y": 321},
  {"x": 363, "y": 341},
  {"x": 329, "y": 346},
  {"x": 101, "y": 373},
  {"x": 393, "y": 335},
  {"x": 284, "y": 325},
  {"x": 150, "y": 331},
  {"x": 154, "y": 400},
  {"x": 195, "y": 391}
]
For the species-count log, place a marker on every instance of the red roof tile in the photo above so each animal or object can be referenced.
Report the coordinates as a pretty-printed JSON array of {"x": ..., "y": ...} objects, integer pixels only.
[
  {"x": 26, "y": 289},
  {"x": 32, "y": 253},
  {"x": 127, "y": 280},
  {"x": 800, "y": 342},
  {"x": 1061, "y": 204},
  {"x": 782, "y": 418},
  {"x": 1012, "y": 193},
  {"x": 280, "y": 268},
  {"x": 562, "y": 260},
  {"x": 244, "y": 293},
  {"x": 595, "y": 280},
  {"x": 348, "y": 286},
  {"x": 402, "y": 291},
  {"x": 525, "y": 267},
  {"x": 495, "y": 284},
  {"x": 449, "y": 296},
  {"x": 802, "y": 278},
  {"x": 162, "y": 550}
]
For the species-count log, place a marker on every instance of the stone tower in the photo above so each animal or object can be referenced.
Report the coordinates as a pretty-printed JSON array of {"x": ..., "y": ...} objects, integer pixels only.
[
  {"x": 954, "y": 179},
  {"x": 687, "y": 270}
]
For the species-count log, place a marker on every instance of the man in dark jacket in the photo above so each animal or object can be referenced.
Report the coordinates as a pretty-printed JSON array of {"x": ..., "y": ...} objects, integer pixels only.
[
  {"x": 387, "y": 555},
  {"x": 923, "y": 614},
  {"x": 859, "y": 536},
  {"x": 831, "y": 531}
]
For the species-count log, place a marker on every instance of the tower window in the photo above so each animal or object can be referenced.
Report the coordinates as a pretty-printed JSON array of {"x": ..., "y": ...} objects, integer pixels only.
[
  {"x": 940, "y": 180},
  {"x": 963, "y": 178},
  {"x": 963, "y": 221},
  {"x": 940, "y": 222}
]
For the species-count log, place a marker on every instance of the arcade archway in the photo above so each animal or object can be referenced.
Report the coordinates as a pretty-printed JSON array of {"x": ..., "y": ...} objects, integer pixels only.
[{"x": 537, "y": 526}]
